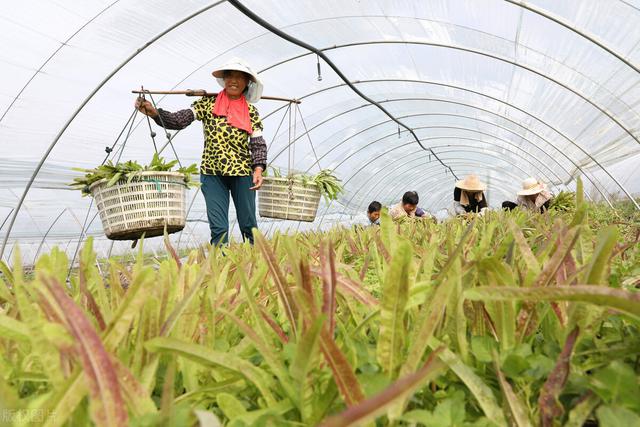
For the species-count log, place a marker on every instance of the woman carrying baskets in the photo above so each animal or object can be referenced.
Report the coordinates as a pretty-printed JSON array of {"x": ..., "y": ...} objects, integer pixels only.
[{"x": 235, "y": 153}]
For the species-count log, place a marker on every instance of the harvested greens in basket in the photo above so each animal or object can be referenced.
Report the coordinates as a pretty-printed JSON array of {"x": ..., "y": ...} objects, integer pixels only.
[
  {"x": 326, "y": 181},
  {"x": 128, "y": 171}
]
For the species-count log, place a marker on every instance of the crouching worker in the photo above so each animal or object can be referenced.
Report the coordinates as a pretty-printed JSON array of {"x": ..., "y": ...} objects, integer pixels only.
[
  {"x": 407, "y": 207},
  {"x": 534, "y": 196},
  {"x": 373, "y": 213},
  {"x": 468, "y": 196}
]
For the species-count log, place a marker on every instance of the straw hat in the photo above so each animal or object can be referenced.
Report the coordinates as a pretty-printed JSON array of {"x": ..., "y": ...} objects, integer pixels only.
[
  {"x": 531, "y": 186},
  {"x": 254, "y": 88},
  {"x": 471, "y": 183}
]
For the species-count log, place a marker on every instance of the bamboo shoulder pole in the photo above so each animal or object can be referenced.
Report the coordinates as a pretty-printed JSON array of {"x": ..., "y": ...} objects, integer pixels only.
[{"x": 202, "y": 92}]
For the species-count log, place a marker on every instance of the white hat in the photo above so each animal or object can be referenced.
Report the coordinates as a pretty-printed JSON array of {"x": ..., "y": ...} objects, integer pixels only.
[
  {"x": 531, "y": 186},
  {"x": 471, "y": 183},
  {"x": 254, "y": 88}
]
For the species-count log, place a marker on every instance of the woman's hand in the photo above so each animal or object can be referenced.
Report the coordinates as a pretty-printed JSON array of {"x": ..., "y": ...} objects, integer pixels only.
[
  {"x": 145, "y": 107},
  {"x": 257, "y": 178}
]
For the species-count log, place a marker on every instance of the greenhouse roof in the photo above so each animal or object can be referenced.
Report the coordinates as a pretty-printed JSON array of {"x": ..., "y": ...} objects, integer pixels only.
[{"x": 395, "y": 96}]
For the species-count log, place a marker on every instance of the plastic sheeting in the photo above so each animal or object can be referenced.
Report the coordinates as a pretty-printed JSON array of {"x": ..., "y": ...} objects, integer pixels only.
[{"x": 503, "y": 89}]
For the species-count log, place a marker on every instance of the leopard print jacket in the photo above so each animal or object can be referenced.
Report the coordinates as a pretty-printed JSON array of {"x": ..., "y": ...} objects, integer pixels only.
[{"x": 228, "y": 151}]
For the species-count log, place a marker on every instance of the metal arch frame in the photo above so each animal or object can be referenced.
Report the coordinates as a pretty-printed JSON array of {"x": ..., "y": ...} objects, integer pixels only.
[
  {"x": 537, "y": 119},
  {"x": 81, "y": 106},
  {"x": 578, "y": 167},
  {"x": 492, "y": 56},
  {"x": 353, "y": 175},
  {"x": 429, "y": 197},
  {"x": 384, "y": 177},
  {"x": 335, "y": 18},
  {"x": 569, "y": 27},
  {"x": 453, "y": 115},
  {"x": 439, "y": 84},
  {"x": 406, "y": 163},
  {"x": 488, "y": 143},
  {"x": 430, "y": 176},
  {"x": 436, "y": 180},
  {"x": 278, "y": 32},
  {"x": 435, "y": 127},
  {"x": 565, "y": 88},
  {"x": 491, "y": 123},
  {"x": 461, "y": 163},
  {"x": 17, "y": 209},
  {"x": 31, "y": 217},
  {"x": 407, "y": 17},
  {"x": 496, "y": 150},
  {"x": 62, "y": 44},
  {"x": 46, "y": 234},
  {"x": 193, "y": 201},
  {"x": 473, "y": 30},
  {"x": 6, "y": 218},
  {"x": 519, "y": 135},
  {"x": 449, "y": 145},
  {"x": 342, "y": 113},
  {"x": 626, "y": 3}
]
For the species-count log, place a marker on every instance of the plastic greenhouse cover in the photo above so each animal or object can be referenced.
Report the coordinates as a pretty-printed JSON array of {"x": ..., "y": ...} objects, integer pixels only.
[{"x": 503, "y": 89}]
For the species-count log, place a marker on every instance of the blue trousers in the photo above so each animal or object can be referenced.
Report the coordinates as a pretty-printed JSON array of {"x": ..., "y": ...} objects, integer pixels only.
[{"x": 216, "y": 190}]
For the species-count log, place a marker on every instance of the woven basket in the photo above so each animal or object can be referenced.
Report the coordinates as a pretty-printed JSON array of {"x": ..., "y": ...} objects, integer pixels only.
[
  {"x": 288, "y": 198},
  {"x": 146, "y": 205}
]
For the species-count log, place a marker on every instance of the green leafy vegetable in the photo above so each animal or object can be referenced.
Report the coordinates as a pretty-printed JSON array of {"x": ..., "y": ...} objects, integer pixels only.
[{"x": 129, "y": 171}]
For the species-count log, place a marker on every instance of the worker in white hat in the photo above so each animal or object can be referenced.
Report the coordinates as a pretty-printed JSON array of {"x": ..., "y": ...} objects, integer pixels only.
[
  {"x": 468, "y": 196},
  {"x": 235, "y": 153},
  {"x": 533, "y": 196},
  {"x": 253, "y": 89}
]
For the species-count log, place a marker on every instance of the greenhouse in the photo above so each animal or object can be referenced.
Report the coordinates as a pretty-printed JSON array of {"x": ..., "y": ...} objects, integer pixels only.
[{"x": 392, "y": 213}]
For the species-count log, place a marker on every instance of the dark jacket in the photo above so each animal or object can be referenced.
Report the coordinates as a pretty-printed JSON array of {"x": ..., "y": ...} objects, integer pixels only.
[
  {"x": 509, "y": 206},
  {"x": 474, "y": 205}
]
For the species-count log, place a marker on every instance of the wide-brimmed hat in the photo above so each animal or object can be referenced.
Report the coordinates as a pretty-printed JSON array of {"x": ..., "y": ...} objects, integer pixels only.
[
  {"x": 471, "y": 183},
  {"x": 254, "y": 88},
  {"x": 531, "y": 186}
]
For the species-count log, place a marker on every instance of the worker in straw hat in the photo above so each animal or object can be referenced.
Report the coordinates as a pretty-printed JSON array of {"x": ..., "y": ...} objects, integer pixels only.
[
  {"x": 235, "y": 153},
  {"x": 468, "y": 196},
  {"x": 534, "y": 195}
]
